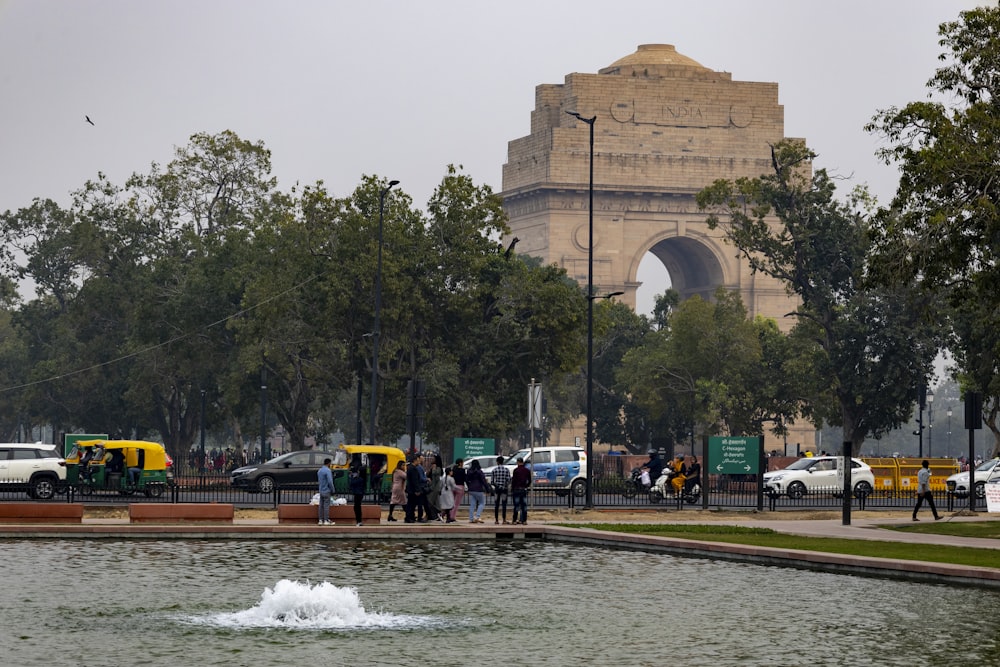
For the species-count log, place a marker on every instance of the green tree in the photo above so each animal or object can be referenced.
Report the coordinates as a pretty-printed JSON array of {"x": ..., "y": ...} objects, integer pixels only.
[
  {"x": 943, "y": 225},
  {"x": 877, "y": 343},
  {"x": 714, "y": 368},
  {"x": 618, "y": 420}
]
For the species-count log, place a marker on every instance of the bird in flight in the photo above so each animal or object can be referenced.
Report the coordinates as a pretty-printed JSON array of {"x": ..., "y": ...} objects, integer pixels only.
[{"x": 88, "y": 120}]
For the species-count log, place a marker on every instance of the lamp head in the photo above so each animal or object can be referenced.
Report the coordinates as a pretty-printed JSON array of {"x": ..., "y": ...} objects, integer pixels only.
[{"x": 588, "y": 121}]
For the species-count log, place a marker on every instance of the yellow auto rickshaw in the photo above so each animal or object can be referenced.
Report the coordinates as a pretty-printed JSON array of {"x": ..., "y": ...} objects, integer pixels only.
[
  {"x": 379, "y": 461},
  {"x": 124, "y": 466}
]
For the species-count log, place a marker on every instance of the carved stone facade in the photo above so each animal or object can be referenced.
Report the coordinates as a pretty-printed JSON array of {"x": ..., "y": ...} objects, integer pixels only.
[{"x": 665, "y": 128}]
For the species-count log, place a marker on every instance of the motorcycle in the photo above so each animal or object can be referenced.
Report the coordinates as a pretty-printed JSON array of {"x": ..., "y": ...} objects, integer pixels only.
[
  {"x": 663, "y": 489},
  {"x": 635, "y": 483}
]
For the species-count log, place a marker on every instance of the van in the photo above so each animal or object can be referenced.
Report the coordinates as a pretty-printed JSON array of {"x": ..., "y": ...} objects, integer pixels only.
[{"x": 561, "y": 468}]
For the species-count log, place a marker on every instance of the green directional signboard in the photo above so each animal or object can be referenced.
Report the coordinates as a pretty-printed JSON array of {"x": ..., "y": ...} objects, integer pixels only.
[
  {"x": 734, "y": 455},
  {"x": 468, "y": 447}
]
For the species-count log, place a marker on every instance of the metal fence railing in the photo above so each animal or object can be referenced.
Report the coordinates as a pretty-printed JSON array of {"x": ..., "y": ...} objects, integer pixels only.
[{"x": 613, "y": 489}]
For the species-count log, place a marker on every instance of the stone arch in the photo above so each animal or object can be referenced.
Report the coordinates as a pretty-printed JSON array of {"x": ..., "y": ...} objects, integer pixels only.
[{"x": 696, "y": 263}]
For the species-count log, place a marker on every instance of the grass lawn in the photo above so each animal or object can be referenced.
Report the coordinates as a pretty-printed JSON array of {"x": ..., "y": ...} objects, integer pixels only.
[
  {"x": 765, "y": 537},
  {"x": 986, "y": 529}
]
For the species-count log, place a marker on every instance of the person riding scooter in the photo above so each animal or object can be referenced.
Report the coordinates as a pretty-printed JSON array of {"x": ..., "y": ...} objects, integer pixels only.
[
  {"x": 679, "y": 477},
  {"x": 693, "y": 474}
]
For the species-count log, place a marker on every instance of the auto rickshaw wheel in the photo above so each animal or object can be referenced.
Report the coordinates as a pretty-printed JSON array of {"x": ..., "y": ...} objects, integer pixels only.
[
  {"x": 85, "y": 489},
  {"x": 154, "y": 490}
]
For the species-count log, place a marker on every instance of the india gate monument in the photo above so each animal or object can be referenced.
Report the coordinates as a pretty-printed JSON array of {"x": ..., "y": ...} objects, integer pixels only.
[{"x": 666, "y": 127}]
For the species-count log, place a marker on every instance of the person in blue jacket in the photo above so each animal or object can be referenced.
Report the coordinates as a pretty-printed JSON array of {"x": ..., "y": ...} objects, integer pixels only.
[{"x": 325, "y": 476}]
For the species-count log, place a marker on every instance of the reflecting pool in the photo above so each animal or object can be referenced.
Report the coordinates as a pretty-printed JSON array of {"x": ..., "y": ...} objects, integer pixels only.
[{"x": 107, "y": 602}]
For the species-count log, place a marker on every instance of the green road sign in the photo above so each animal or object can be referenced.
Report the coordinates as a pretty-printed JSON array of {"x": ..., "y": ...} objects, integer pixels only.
[
  {"x": 734, "y": 455},
  {"x": 469, "y": 447}
]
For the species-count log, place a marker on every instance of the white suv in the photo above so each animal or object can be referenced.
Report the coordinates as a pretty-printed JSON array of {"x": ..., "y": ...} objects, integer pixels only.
[
  {"x": 561, "y": 468},
  {"x": 36, "y": 468},
  {"x": 819, "y": 474}
]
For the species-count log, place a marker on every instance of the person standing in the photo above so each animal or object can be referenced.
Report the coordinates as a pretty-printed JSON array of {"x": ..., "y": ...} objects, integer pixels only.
[
  {"x": 475, "y": 482},
  {"x": 357, "y": 480},
  {"x": 398, "y": 494},
  {"x": 500, "y": 479},
  {"x": 325, "y": 476},
  {"x": 458, "y": 472},
  {"x": 520, "y": 481},
  {"x": 446, "y": 500},
  {"x": 924, "y": 490},
  {"x": 434, "y": 483},
  {"x": 415, "y": 491}
]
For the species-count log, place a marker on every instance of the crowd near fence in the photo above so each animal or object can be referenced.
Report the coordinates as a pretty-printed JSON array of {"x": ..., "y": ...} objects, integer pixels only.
[{"x": 895, "y": 488}]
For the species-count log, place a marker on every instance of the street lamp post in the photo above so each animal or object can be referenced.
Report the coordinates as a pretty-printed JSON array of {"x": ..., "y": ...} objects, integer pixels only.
[
  {"x": 378, "y": 308},
  {"x": 921, "y": 404},
  {"x": 930, "y": 422},
  {"x": 948, "y": 446},
  {"x": 589, "y": 500}
]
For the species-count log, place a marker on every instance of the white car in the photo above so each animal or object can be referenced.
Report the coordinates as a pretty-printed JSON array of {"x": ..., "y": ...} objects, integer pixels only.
[
  {"x": 987, "y": 472},
  {"x": 818, "y": 474},
  {"x": 34, "y": 467},
  {"x": 485, "y": 462}
]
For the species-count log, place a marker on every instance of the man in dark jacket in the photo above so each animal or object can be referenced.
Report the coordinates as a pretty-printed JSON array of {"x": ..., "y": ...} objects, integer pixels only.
[
  {"x": 654, "y": 465},
  {"x": 415, "y": 491}
]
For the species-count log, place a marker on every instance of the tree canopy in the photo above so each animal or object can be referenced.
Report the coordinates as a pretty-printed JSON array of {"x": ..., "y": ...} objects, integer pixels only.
[
  {"x": 874, "y": 345},
  {"x": 942, "y": 228}
]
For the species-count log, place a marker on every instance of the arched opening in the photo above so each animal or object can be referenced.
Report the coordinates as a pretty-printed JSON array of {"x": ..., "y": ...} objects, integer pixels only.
[{"x": 683, "y": 263}]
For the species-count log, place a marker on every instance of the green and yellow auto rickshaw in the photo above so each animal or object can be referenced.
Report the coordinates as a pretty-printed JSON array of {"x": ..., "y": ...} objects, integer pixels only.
[
  {"x": 124, "y": 466},
  {"x": 378, "y": 461}
]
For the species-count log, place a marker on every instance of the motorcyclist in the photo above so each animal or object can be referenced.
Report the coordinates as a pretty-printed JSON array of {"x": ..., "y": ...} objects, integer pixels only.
[
  {"x": 654, "y": 465},
  {"x": 693, "y": 474}
]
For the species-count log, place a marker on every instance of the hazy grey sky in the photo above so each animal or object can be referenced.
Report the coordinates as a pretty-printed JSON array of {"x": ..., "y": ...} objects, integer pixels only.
[{"x": 400, "y": 89}]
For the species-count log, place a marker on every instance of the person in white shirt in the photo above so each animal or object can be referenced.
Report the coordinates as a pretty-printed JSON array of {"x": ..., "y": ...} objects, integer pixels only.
[{"x": 924, "y": 490}]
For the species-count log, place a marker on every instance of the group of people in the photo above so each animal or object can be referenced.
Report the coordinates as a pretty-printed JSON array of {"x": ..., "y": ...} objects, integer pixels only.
[
  {"x": 435, "y": 494},
  {"x": 113, "y": 461},
  {"x": 684, "y": 475},
  {"x": 357, "y": 483}
]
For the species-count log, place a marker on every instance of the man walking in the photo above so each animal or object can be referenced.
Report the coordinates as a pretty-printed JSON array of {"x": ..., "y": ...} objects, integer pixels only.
[
  {"x": 500, "y": 480},
  {"x": 924, "y": 490},
  {"x": 325, "y": 476}
]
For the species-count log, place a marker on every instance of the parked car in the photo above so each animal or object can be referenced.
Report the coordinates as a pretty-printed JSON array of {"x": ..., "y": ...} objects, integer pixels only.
[
  {"x": 36, "y": 468},
  {"x": 987, "y": 472},
  {"x": 560, "y": 468},
  {"x": 818, "y": 474},
  {"x": 292, "y": 468},
  {"x": 485, "y": 462}
]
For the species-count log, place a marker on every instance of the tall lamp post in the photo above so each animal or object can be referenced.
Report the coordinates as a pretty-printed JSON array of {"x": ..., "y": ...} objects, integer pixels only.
[
  {"x": 948, "y": 446},
  {"x": 589, "y": 501},
  {"x": 930, "y": 422},
  {"x": 921, "y": 404},
  {"x": 378, "y": 307}
]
